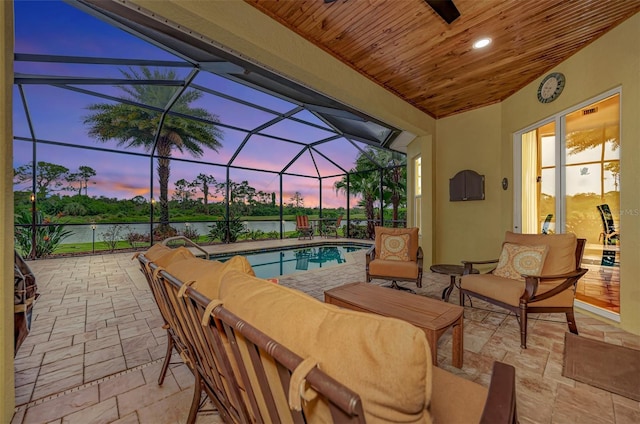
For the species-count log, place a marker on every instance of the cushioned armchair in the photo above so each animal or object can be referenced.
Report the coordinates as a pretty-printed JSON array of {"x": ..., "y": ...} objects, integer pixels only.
[
  {"x": 395, "y": 256},
  {"x": 536, "y": 273}
]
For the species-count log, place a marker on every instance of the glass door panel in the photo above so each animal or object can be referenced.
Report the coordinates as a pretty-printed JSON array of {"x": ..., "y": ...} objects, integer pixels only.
[
  {"x": 570, "y": 175},
  {"x": 592, "y": 197}
]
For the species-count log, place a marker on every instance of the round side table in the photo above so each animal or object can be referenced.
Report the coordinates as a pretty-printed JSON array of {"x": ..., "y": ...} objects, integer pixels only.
[{"x": 453, "y": 271}]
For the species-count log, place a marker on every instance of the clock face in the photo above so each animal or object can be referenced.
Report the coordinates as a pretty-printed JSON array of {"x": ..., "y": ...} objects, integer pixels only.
[{"x": 550, "y": 87}]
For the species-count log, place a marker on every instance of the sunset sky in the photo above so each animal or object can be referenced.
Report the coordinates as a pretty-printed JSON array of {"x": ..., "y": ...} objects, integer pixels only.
[{"x": 56, "y": 28}]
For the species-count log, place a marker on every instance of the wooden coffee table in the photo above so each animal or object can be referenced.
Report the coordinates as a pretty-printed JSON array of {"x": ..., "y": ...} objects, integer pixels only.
[{"x": 434, "y": 317}]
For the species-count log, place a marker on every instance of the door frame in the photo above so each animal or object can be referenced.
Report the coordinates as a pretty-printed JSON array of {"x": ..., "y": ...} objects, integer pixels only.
[{"x": 560, "y": 134}]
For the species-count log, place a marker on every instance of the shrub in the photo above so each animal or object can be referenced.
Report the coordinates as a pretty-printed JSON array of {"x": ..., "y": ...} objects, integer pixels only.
[
  {"x": 49, "y": 235},
  {"x": 191, "y": 233},
  {"x": 113, "y": 235},
  {"x": 74, "y": 209},
  {"x": 219, "y": 231},
  {"x": 273, "y": 235},
  {"x": 136, "y": 239},
  {"x": 255, "y": 234},
  {"x": 164, "y": 231},
  {"x": 357, "y": 231}
]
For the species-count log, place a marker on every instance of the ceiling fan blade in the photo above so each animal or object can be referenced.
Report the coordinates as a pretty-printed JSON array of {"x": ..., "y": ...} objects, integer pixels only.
[{"x": 445, "y": 8}]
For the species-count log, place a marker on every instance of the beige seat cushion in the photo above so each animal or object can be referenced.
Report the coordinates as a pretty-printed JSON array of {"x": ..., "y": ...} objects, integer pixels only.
[
  {"x": 412, "y": 244},
  {"x": 399, "y": 269},
  {"x": 455, "y": 399},
  {"x": 509, "y": 291},
  {"x": 385, "y": 360}
]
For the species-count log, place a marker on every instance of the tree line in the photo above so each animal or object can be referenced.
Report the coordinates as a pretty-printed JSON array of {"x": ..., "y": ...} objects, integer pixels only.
[
  {"x": 51, "y": 177},
  {"x": 136, "y": 123}
]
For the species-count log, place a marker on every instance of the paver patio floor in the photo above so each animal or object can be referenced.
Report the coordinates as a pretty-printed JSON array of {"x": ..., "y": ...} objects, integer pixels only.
[{"x": 96, "y": 347}]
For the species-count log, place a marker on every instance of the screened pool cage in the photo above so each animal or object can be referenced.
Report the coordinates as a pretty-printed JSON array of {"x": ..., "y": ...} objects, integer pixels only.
[{"x": 190, "y": 140}]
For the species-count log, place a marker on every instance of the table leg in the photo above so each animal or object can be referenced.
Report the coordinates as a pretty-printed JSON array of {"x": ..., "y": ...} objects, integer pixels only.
[
  {"x": 432, "y": 338},
  {"x": 447, "y": 291},
  {"x": 458, "y": 343}
]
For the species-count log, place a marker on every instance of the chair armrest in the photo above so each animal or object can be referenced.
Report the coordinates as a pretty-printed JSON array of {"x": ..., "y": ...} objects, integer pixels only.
[
  {"x": 532, "y": 282},
  {"x": 371, "y": 254},
  {"x": 468, "y": 265},
  {"x": 500, "y": 407}
]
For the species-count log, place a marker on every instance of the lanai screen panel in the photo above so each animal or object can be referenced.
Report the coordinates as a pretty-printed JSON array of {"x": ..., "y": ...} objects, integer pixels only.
[
  {"x": 266, "y": 153},
  {"x": 275, "y": 125},
  {"x": 301, "y": 192}
]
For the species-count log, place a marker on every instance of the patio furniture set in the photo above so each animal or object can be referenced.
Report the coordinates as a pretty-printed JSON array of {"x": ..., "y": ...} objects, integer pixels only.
[
  {"x": 326, "y": 227},
  {"x": 262, "y": 352}
]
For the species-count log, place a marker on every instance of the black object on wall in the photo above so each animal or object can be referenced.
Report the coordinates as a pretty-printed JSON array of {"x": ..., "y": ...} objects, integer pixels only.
[{"x": 466, "y": 185}]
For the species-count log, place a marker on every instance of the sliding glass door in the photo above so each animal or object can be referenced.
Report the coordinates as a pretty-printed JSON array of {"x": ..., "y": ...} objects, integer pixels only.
[{"x": 569, "y": 172}]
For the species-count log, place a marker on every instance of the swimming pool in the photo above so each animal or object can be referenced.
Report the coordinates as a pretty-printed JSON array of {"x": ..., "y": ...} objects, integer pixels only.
[{"x": 274, "y": 263}]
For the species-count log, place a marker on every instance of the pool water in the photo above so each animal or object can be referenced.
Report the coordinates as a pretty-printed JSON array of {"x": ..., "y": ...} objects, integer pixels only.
[{"x": 299, "y": 259}]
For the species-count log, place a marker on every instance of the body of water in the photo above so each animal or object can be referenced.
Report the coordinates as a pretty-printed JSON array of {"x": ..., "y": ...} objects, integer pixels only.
[{"x": 85, "y": 234}]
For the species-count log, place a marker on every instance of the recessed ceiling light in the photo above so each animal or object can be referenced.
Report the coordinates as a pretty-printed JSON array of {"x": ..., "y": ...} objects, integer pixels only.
[{"x": 483, "y": 42}]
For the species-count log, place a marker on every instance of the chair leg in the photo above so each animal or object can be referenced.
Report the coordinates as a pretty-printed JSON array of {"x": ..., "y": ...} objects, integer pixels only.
[
  {"x": 395, "y": 285},
  {"x": 571, "y": 322},
  {"x": 167, "y": 359},
  {"x": 195, "y": 402},
  {"x": 523, "y": 326}
]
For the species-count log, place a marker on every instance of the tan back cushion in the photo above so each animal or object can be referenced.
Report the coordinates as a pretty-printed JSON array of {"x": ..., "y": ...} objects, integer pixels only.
[
  {"x": 206, "y": 274},
  {"x": 412, "y": 244},
  {"x": 385, "y": 360},
  {"x": 156, "y": 251},
  {"x": 172, "y": 255},
  {"x": 561, "y": 256}
]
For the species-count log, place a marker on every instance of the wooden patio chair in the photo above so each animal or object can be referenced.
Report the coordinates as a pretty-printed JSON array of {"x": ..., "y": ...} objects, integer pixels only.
[
  {"x": 303, "y": 227},
  {"x": 331, "y": 228},
  {"x": 536, "y": 273}
]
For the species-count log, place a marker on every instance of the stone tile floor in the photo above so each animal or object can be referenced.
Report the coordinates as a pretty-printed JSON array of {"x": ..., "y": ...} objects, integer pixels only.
[{"x": 96, "y": 348}]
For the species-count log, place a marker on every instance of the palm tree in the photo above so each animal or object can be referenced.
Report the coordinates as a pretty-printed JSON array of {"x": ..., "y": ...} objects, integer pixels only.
[
  {"x": 363, "y": 182},
  {"x": 395, "y": 182},
  {"x": 134, "y": 126}
]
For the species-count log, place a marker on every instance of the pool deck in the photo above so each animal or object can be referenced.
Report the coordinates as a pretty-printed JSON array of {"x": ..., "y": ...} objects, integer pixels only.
[
  {"x": 265, "y": 245},
  {"x": 96, "y": 347}
]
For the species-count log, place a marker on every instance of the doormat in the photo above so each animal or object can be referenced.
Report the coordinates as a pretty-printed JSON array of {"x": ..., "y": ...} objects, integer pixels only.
[{"x": 603, "y": 365}]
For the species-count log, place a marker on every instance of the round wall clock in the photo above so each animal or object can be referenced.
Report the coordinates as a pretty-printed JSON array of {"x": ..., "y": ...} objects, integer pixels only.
[{"x": 551, "y": 87}]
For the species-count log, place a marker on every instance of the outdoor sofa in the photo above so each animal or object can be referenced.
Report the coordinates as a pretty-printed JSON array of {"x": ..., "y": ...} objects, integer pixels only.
[{"x": 240, "y": 333}]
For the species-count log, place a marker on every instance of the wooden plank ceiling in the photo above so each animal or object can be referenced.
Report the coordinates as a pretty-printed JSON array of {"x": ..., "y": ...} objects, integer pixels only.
[{"x": 404, "y": 46}]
